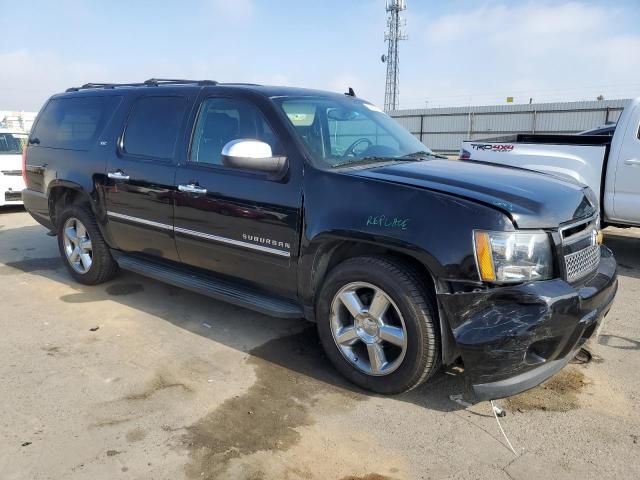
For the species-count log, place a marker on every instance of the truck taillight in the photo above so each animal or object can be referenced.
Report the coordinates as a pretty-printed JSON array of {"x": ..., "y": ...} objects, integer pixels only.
[
  {"x": 24, "y": 165},
  {"x": 464, "y": 155}
]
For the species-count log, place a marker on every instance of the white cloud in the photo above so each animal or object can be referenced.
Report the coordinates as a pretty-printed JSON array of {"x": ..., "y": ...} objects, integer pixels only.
[
  {"x": 493, "y": 49},
  {"x": 548, "y": 51},
  {"x": 509, "y": 22},
  {"x": 232, "y": 10},
  {"x": 28, "y": 79},
  {"x": 34, "y": 77}
]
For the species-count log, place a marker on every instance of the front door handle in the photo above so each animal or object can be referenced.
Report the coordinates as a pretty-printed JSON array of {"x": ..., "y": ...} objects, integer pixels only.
[
  {"x": 118, "y": 175},
  {"x": 192, "y": 188},
  {"x": 632, "y": 161}
]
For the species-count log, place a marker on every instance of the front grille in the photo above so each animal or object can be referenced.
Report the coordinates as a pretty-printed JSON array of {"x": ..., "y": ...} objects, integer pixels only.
[
  {"x": 12, "y": 196},
  {"x": 582, "y": 262},
  {"x": 580, "y": 248},
  {"x": 12, "y": 173}
]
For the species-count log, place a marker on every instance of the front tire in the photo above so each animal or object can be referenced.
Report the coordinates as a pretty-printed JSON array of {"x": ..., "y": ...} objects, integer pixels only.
[
  {"x": 82, "y": 247},
  {"x": 377, "y": 325}
]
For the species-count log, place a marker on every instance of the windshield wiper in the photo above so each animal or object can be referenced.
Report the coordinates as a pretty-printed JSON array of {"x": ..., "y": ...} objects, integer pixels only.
[
  {"x": 366, "y": 160},
  {"x": 376, "y": 159},
  {"x": 423, "y": 154}
]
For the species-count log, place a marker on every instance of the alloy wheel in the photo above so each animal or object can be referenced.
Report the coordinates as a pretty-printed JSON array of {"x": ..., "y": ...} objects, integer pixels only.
[
  {"x": 77, "y": 245},
  {"x": 368, "y": 328}
]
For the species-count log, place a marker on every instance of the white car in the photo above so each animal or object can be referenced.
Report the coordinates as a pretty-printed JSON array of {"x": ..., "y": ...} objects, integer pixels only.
[
  {"x": 610, "y": 165},
  {"x": 11, "y": 182}
]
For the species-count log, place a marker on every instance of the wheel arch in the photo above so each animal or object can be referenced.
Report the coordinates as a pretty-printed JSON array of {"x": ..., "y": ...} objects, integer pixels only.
[
  {"x": 328, "y": 251},
  {"x": 62, "y": 193}
]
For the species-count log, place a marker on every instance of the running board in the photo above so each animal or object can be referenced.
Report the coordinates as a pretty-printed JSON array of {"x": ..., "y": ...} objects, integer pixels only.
[{"x": 210, "y": 286}]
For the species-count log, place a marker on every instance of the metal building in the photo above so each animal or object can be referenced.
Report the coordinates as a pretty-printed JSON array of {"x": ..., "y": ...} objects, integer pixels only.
[{"x": 444, "y": 129}]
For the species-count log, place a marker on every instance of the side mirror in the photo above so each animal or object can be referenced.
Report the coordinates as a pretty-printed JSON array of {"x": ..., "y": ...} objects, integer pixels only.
[{"x": 247, "y": 154}]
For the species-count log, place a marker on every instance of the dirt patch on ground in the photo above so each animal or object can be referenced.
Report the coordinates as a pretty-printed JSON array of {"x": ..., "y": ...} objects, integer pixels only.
[
  {"x": 110, "y": 422},
  {"x": 292, "y": 374},
  {"x": 558, "y": 394},
  {"x": 159, "y": 383},
  {"x": 54, "y": 351},
  {"x": 136, "y": 435},
  {"x": 325, "y": 453},
  {"x": 370, "y": 476}
]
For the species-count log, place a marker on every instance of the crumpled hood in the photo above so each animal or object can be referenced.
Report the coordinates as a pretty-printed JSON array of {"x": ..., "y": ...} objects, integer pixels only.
[{"x": 531, "y": 199}]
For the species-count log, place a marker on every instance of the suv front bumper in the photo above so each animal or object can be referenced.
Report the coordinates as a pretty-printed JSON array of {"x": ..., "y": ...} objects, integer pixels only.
[{"x": 513, "y": 338}]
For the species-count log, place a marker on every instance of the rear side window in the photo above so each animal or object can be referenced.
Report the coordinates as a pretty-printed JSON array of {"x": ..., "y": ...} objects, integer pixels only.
[
  {"x": 153, "y": 127},
  {"x": 74, "y": 123}
]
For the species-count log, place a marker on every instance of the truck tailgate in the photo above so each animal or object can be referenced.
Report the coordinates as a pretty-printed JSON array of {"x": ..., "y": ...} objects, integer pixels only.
[{"x": 583, "y": 163}]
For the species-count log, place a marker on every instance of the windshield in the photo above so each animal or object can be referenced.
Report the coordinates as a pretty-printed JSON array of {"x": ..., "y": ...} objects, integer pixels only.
[
  {"x": 12, "y": 143},
  {"x": 346, "y": 131}
]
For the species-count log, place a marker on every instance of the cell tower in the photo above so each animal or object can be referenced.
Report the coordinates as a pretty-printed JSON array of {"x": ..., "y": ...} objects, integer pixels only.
[{"x": 393, "y": 35}]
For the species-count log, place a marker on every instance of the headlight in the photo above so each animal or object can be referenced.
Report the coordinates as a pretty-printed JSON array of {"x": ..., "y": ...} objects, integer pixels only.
[{"x": 512, "y": 257}]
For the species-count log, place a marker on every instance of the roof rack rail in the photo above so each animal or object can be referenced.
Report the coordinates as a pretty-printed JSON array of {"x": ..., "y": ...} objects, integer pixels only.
[
  {"x": 152, "y": 82},
  {"x": 173, "y": 81},
  {"x": 104, "y": 85}
]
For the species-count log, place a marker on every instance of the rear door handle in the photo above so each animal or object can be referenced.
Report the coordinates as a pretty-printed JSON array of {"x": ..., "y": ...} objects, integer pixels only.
[
  {"x": 192, "y": 188},
  {"x": 632, "y": 161},
  {"x": 118, "y": 175}
]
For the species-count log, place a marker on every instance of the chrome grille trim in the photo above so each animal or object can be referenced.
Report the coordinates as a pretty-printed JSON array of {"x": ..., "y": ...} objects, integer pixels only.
[
  {"x": 589, "y": 222},
  {"x": 581, "y": 263}
]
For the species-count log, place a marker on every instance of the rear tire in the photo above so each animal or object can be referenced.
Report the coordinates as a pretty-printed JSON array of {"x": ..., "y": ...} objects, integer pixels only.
[
  {"x": 82, "y": 247},
  {"x": 389, "y": 352}
]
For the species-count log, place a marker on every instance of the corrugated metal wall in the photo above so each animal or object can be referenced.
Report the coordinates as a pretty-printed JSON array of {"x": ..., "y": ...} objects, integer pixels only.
[{"x": 444, "y": 129}]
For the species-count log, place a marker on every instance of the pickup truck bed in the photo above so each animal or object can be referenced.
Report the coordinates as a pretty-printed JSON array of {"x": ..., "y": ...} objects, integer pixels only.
[
  {"x": 550, "y": 139},
  {"x": 609, "y": 165}
]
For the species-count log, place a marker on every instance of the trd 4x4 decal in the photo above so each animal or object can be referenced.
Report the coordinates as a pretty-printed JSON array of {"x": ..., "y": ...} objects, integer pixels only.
[{"x": 494, "y": 147}]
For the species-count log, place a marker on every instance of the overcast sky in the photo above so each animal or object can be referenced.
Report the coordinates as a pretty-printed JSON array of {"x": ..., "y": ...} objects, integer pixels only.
[{"x": 459, "y": 52}]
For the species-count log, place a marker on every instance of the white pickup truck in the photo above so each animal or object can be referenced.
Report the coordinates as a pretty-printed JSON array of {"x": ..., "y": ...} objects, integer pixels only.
[
  {"x": 11, "y": 182},
  {"x": 610, "y": 165}
]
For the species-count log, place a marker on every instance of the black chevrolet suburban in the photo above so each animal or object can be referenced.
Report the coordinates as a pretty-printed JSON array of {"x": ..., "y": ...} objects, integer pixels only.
[{"x": 307, "y": 204}]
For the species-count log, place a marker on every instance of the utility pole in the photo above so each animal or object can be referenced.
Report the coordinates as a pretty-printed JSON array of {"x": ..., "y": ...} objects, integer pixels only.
[{"x": 393, "y": 35}]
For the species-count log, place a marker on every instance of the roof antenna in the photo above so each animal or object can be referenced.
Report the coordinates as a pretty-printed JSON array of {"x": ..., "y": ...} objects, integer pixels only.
[{"x": 350, "y": 93}]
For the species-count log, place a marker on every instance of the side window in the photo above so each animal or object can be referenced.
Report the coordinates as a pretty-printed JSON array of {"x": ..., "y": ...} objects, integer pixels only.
[
  {"x": 224, "y": 119},
  {"x": 74, "y": 123},
  {"x": 153, "y": 127}
]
